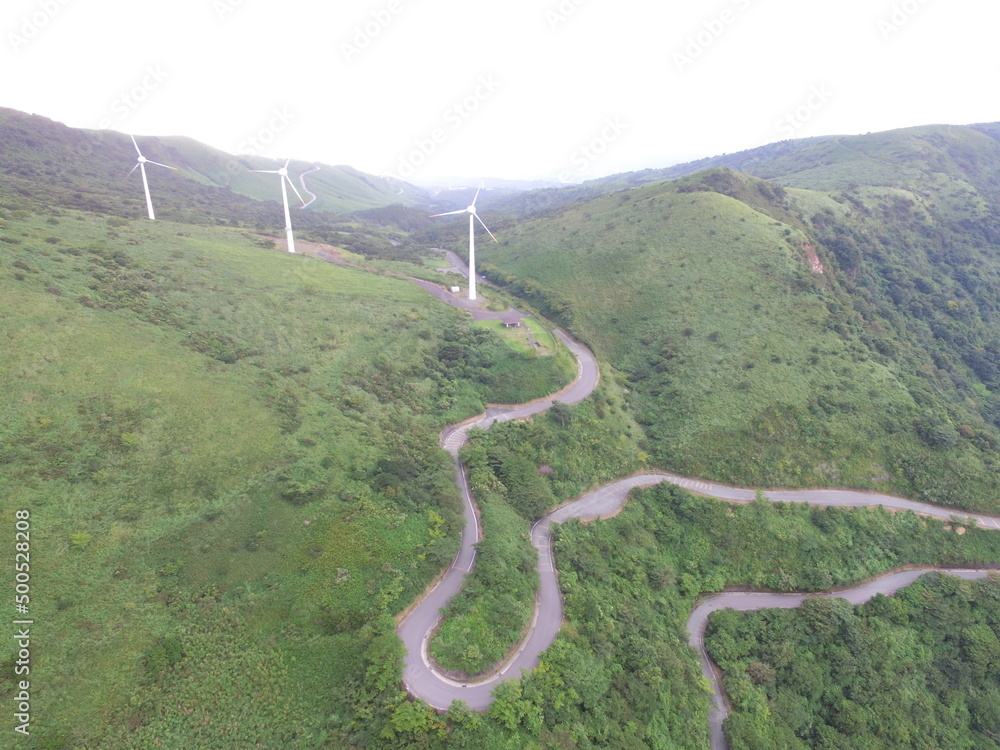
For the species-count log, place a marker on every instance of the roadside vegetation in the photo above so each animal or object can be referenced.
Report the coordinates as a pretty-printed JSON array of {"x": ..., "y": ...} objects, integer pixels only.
[
  {"x": 621, "y": 674},
  {"x": 230, "y": 457},
  {"x": 518, "y": 471},
  {"x": 917, "y": 669},
  {"x": 775, "y": 337},
  {"x": 230, "y": 454}
]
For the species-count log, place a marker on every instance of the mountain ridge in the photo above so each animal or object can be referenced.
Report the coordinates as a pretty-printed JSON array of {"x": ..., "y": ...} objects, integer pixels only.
[
  {"x": 888, "y": 272},
  {"x": 95, "y": 162}
]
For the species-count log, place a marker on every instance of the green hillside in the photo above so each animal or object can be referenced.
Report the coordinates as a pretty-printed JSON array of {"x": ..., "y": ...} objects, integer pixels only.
[
  {"x": 86, "y": 169},
  {"x": 894, "y": 158},
  {"x": 875, "y": 368},
  {"x": 230, "y": 454},
  {"x": 230, "y": 459},
  {"x": 921, "y": 664}
]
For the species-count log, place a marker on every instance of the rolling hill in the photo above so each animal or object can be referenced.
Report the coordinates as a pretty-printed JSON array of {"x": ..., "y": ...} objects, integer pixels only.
[
  {"x": 841, "y": 330},
  {"x": 85, "y": 169},
  {"x": 228, "y": 455},
  {"x": 819, "y": 163}
]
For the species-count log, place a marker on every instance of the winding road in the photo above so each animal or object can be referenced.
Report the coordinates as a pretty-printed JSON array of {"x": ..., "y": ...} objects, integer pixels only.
[
  {"x": 750, "y": 601},
  {"x": 302, "y": 182},
  {"x": 420, "y": 621},
  {"x": 420, "y": 677}
]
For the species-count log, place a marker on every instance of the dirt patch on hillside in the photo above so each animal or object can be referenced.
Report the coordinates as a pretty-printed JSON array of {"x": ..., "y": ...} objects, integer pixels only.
[{"x": 813, "y": 258}]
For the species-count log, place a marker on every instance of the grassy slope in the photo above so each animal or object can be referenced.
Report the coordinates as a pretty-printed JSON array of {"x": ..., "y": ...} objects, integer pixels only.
[
  {"x": 911, "y": 158},
  {"x": 746, "y": 365},
  {"x": 704, "y": 290},
  {"x": 230, "y": 459},
  {"x": 86, "y": 169},
  {"x": 338, "y": 189}
]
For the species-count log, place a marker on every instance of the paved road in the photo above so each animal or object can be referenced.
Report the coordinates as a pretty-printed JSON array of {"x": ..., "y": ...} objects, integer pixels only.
[
  {"x": 419, "y": 677},
  {"x": 310, "y": 193},
  {"x": 746, "y": 602},
  {"x": 423, "y": 682},
  {"x": 605, "y": 501},
  {"x": 476, "y": 307}
]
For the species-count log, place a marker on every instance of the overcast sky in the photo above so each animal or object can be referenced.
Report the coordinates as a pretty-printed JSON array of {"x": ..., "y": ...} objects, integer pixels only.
[{"x": 522, "y": 89}]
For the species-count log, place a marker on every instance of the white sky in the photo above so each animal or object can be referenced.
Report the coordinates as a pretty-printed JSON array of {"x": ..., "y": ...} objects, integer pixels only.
[{"x": 546, "y": 78}]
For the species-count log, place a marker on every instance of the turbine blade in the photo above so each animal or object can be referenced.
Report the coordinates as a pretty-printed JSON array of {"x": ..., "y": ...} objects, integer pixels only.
[
  {"x": 265, "y": 171},
  {"x": 135, "y": 144},
  {"x": 478, "y": 190},
  {"x": 292, "y": 186},
  {"x": 158, "y": 164},
  {"x": 487, "y": 229},
  {"x": 133, "y": 169},
  {"x": 451, "y": 213}
]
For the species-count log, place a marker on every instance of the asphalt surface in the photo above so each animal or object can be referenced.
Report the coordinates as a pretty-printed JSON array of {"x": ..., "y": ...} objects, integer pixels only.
[
  {"x": 424, "y": 682},
  {"x": 419, "y": 676}
]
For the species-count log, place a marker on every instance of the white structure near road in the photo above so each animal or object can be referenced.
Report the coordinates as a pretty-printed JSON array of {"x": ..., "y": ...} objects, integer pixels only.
[{"x": 473, "y": 216}]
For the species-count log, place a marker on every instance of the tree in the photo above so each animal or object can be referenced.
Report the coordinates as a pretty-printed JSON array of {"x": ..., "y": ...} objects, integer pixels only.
[{"x": 561, "y": 414}]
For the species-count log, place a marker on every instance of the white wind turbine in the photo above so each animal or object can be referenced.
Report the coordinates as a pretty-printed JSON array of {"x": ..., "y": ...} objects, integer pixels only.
[
  {"x": 471, "y": 210},
  {"x": 284, "y": 197},
  {"x": 141, "y": 165}
]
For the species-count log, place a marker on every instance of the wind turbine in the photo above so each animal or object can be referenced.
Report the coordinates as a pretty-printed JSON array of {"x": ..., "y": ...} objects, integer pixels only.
[
  {"x": 141, "y": 165},
  {"x": 284, "y": 197},
  {"x": 471, "y": 211}
]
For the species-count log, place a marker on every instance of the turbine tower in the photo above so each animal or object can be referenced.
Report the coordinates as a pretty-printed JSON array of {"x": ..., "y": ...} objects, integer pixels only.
[
  {"x": 141, "y": 166},
  {"x": 473, "y": 216},
  {"x": 284, "y": 197}
]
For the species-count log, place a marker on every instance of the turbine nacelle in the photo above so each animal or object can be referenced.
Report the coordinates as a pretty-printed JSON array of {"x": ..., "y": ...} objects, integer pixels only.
[
  {"x": 141, "y": 163},
  {"x": 473, "y": 217},
  {"x": 284, "y": 178}
]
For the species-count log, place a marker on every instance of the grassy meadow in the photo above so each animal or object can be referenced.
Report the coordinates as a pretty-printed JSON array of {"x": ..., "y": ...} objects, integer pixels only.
[
  {"x": 230, "y": 458},
  {"x": 530, "y": 338}
]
